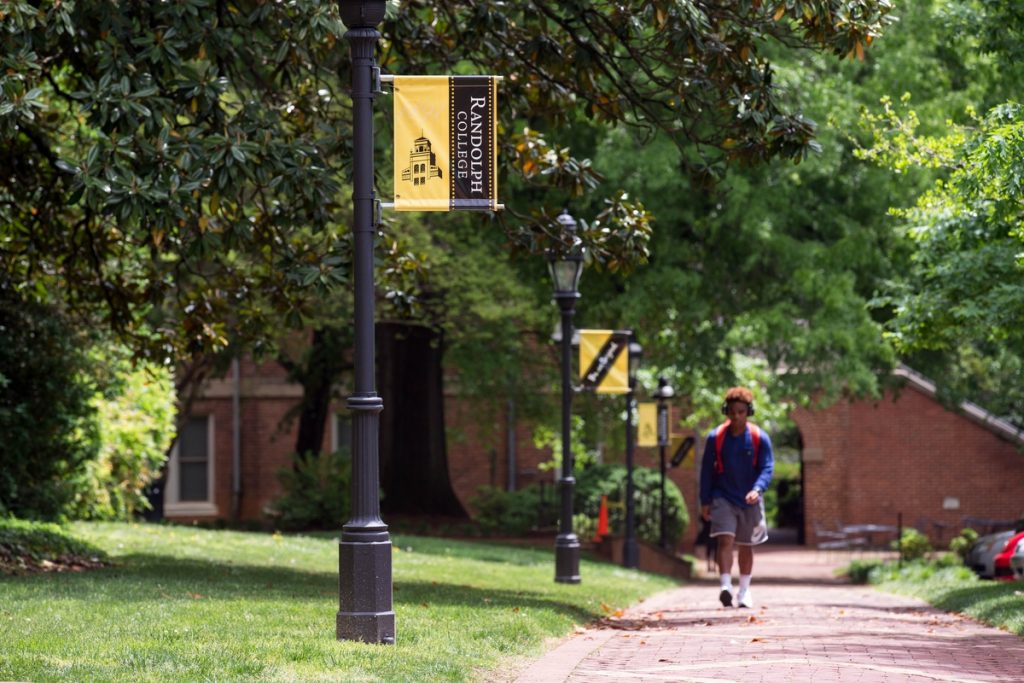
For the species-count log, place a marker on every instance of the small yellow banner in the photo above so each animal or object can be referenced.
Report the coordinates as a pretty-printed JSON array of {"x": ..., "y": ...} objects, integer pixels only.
[
  {"x": 647, "y": 424},
  {"x": 604, "y": 361},
  {"x": 446, "y": 147},
  {"x": 679, "y": 447}
]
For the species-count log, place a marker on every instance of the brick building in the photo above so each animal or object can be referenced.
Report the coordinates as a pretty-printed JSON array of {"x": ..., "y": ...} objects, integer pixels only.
[{"x": 863, "y": 462}]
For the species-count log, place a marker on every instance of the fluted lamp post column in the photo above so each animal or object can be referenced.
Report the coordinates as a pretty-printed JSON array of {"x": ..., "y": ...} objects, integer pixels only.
[
  {"x": 663, "y": 394},
  {"x": 365, "y": 611},
  {"x": 630, "y": 551},
  {"x": 566, "y": 266}
]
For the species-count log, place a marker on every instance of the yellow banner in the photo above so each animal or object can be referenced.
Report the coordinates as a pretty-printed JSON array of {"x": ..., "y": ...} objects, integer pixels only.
[
  {"x": 604, "y": 361},
  {"x": 680, "y": 447},
  {"x": 647, "y": 424},
  {"x": 446, "y": 143}
]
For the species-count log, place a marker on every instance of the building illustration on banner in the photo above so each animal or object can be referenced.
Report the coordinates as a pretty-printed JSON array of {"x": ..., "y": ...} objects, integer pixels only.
[
  {"x": 447, "y": 125},
  {"x": 422, "y": 163}
]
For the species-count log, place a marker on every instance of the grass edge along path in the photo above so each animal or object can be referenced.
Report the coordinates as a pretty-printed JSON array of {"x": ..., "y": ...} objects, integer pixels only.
[
  {"x": 947, "y": 585},
  {"x": 182, "y": 603}
]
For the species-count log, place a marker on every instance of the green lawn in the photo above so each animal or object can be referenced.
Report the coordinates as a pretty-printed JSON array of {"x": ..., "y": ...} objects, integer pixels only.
[
  {"x": 187, "y": 604},
  {"x": 957, "y": 589}
]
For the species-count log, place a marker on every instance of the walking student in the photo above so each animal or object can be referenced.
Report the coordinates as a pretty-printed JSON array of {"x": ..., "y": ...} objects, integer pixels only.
[{"x": 736, "y": 471}]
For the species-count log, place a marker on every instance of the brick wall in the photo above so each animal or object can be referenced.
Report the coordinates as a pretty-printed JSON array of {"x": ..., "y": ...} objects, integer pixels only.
[
  {"x": 863, "y": 462},
  {"x": 907, "y": 454},
  {"x": 479, "y": 449}
]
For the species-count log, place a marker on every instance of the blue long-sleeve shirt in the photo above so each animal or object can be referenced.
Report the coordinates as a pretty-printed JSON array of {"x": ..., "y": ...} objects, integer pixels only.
[{"x": 739, "y": 475}]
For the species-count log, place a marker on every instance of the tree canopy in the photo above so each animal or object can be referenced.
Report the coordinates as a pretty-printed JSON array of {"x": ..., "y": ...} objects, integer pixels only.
[
  {"x": 175, "y": 165},
  {"x": 955, "y": 311}
]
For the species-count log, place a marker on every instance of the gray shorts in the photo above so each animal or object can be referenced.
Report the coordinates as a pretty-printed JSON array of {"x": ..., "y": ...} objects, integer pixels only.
[{"x": 746, "y": 524}]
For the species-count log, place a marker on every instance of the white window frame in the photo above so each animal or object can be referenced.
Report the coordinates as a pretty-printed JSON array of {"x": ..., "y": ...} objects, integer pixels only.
[{"x": 191, "y": 508}]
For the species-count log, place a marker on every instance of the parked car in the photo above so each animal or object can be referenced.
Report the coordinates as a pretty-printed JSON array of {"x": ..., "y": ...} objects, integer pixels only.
[
  {"x": 1001, "y": 564},
  {"x": 982, "y": 555},
  {"x": 1017, "y": 562}
]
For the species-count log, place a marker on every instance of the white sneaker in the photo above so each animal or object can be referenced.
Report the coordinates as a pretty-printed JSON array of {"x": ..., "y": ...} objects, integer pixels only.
[
  {"x": 726, "y": 597},
  {"x": 745, "y": 599}
]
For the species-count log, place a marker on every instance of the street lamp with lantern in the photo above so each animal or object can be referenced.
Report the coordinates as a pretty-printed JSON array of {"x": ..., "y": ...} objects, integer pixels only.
[
  {"x": 664, "y": 393},
  {"x": 630, "y": 552},
  {"x": 566, "y": 266},
  {"x": 365, "y": 611}
]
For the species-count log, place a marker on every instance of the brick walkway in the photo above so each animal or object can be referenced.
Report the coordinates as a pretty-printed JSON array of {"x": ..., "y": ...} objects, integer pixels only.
[{"x": 806, "y": 626}]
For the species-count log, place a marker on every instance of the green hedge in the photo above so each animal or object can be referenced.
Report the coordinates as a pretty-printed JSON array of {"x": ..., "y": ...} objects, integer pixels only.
[
  {"x": 515, "y": 513},
  {"x": 47, "y": 425},
  {"x": 610, "y": 480}
]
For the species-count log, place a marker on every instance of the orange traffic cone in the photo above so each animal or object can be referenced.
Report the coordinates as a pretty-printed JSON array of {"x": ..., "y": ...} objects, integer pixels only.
[{"x": 602, "y": 519}]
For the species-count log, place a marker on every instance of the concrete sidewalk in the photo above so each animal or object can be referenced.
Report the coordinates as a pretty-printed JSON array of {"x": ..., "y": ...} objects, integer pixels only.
[{"x": 806, "y": 626}]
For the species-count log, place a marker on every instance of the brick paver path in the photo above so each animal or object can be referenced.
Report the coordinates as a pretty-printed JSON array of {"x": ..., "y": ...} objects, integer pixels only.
[{"x": 806, "y": 626}]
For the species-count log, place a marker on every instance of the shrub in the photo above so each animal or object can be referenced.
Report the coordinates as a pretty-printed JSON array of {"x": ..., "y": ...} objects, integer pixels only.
[
  {"x": 135, "y": 420},
  {"x": 546, "y": 437},
  {"x": 610, "y": 480},
  {"x": 859, "y": 571},
  {"x": 961, "y": 544},
  {"x": 316, "y": 492},
  {"x": 584, "y": 526},
  {"x": 47, "y": 425},
  {"x": 512, "y": 512},
  {"x": 913, "y": 545}
]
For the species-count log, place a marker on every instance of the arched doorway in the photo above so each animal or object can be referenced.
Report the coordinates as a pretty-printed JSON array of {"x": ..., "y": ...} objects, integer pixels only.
[{"x": 784, "y": 501}]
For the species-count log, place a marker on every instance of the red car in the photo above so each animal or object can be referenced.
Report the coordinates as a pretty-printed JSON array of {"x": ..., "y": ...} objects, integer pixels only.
[{"x": 1003, "y": 570}]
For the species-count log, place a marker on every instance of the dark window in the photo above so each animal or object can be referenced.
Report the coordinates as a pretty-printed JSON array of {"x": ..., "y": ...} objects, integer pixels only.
[{"x": 194, "y": 460}]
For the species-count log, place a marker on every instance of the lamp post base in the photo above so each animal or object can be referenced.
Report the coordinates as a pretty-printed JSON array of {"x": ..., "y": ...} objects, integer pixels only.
[
  {"x": 567, "y": 558},
  {"x": 630, "y": 554},
  {"x": 366, "y": 612}
]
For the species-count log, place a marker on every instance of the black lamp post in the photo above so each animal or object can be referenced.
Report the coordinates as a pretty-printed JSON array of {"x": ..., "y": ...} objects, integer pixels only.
[
  {"x": 566, "y": 267},
  {"x": 664, "y": 393},
  {"x": 365, "y": 611},
  {"x": 630, "y": 552}
]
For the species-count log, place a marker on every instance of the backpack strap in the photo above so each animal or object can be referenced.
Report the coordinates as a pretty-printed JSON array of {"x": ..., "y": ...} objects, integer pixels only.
[
  {"x": 719, "y": 440},
  {"x": 755, "y": 439},
  {"x": 720, "y": 431}
]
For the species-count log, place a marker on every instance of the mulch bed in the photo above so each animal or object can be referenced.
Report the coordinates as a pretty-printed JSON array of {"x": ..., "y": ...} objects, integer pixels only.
[{"x": 20, "y": 565}]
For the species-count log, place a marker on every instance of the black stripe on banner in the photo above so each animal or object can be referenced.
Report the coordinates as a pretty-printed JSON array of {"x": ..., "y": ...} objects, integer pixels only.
[
  {"x": 471, "y": 137},
  {"x": 613, "y": 346}
]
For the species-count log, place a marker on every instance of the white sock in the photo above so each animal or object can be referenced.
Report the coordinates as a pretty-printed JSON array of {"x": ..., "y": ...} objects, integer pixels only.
[
  {"x": 727, "y": 582},
  {"x": 744, "y": 583}
]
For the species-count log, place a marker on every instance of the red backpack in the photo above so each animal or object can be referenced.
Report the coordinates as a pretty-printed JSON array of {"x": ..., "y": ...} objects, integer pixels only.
[{"x": 755, "y": 440}]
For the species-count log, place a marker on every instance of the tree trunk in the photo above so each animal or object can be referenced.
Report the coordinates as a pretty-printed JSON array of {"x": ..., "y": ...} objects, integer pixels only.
[
  {"x": 316, "y": 398},
  {"x": 317, "y": 372},
  {"x": 413, "y": 456}
]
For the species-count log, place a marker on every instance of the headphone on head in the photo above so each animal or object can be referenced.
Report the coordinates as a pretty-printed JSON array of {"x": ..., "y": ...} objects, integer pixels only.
[{"x": 750, "y": 407}]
